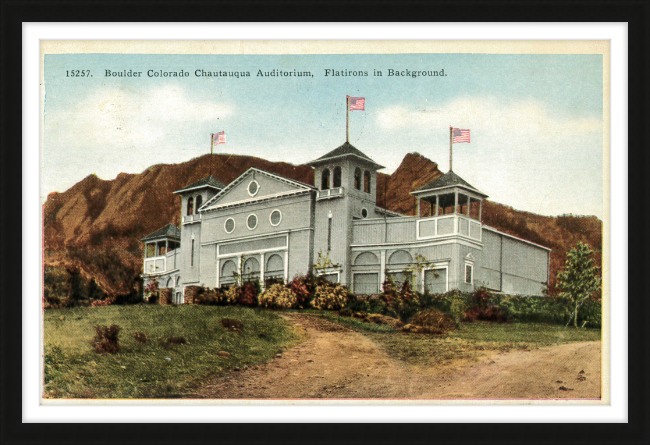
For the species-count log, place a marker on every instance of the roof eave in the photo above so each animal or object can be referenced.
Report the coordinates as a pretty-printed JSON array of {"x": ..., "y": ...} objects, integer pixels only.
[
  {"x": 318, "y": 162},
  {"x": 196, "y": 188},
  {"x": 160, "y": 237},
  {"x": 435, "y": 189}
]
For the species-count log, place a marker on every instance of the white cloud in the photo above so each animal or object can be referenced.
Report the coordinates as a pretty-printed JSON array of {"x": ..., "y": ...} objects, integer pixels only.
[
  {"x": 489, "y": 116},
  {"x": 521, "y": 154},
  {"x": 118, "y": 129},
  {"x": 123, "y": 118}
]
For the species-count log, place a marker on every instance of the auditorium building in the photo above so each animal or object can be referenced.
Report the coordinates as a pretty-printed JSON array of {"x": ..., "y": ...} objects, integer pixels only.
[{"x": 263, "y": 225}]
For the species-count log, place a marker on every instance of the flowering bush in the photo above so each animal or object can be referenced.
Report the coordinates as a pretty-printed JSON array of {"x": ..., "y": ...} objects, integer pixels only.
[
  {"x": 152, "y": 286},
  {"x": 246, "y": 294},
  {"x": 232, "y": 294},
  {"x": 106, "y": 302},
  {"x": 301, "y": 285},
  {"x": 211, "y": 297},
  {"x": 151, "y": 291},
  {"x": 278, "y": 296},
  {"x": 330, "y": 296}
]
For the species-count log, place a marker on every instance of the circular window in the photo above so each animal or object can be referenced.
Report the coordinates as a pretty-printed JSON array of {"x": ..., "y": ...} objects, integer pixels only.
[
  {"x": 253, "y": 187},
  {"x": 276, "y": 217},
  {"x": 364, "y": 212},
  {"x": 251, "y": 221},
  {"x": 229, "y": 225}
]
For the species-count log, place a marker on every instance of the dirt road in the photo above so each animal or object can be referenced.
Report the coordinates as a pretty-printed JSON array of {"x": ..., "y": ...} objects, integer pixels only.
[{"x": 334, "y": 362}]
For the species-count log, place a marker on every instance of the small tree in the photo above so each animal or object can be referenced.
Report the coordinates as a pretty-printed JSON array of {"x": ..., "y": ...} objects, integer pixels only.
[
  {"x": 323, "y": 262},
  {"x": 579, "y": 279}
]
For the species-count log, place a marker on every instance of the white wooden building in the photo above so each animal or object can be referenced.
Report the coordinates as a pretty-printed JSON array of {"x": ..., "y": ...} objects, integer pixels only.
[{"x": 263, "y": 225}]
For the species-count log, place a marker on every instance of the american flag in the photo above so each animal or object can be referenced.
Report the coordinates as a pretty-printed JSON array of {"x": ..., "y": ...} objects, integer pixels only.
[
  {"x": 357, "y": 103},
  {"x": 460, "y": 136},
  {"x": 219, "y": 138}
]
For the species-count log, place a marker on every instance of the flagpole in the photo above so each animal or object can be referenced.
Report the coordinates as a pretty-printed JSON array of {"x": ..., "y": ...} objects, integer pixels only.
[
  {"x": 347, "y": 118},
  {"x": 451, "y": 143},
  {"x": 211, "y": 150}
]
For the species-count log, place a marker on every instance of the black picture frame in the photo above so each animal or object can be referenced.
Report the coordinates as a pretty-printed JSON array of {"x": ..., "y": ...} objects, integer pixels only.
[{"x": 635, "y": 13}]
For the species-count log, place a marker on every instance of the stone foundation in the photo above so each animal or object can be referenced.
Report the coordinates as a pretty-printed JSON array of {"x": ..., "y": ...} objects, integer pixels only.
[
  {"x": 191, "y": 292},
  {"x": 165, "y": 296}
]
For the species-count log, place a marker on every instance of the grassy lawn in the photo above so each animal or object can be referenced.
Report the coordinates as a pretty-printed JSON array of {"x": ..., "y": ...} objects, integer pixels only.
[
  {"x": 468, "y": 342},
  {"x": 154, "y": 369}
]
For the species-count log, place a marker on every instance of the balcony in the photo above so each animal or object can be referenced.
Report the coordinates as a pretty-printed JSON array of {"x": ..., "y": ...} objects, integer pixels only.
[
  {"x": 453, "y": 224},
  {"x": 155, "y": 265},
  {"x": 336, "y": 192},
  {"x": 191, "y": 218},
  {"x": 411, "y": 229}
]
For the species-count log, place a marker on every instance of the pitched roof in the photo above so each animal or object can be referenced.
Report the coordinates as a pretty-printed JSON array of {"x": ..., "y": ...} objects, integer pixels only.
[
  {"x": 209, "y": 205},
  {"x": 169, "y": 231},
  {"x": 449, "y": 179},
  {"x": 208, "y": 181},
  {"x": 345, "y": 150}
]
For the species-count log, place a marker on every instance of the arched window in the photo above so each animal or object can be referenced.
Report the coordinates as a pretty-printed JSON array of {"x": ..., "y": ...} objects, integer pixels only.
[
  {"x": 337, "y": 177},
  {"x": 357, "y": 178},
  {"x": 399, "y": 258},
  {"x": 199, "y": 201},
  {"x": 170, "y": 282},
  {"x": 228, "y": 269},
  {"x": 366, "y": 259},
  {"x": 190, "y": 206},
  {"x": 251, "y": 269},
  {"x": 399, "y": 264},
  {"x": 178, "y": 280},
  {"x": 325, "y": 180},
  {"x": 274, "y": 267},
  {"x": 366, "y": 181}
]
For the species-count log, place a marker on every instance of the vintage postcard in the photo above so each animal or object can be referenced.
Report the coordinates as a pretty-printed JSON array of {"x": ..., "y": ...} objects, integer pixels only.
[{"x": 325, "y": 222}]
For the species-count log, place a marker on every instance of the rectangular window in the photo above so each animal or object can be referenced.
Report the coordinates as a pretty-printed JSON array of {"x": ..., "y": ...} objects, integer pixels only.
[
  {"x": 400, "y": 277},
  {"x": 435, "y": 281},
  {"x": 469, "y": 269},
  {"x": 366, "y": 283},
  {"x": 329, "y": 234},
  {"x": 192, "y": 255},
  {"x": 331, "y": 277},
  {"x": 151, "y": 250}
]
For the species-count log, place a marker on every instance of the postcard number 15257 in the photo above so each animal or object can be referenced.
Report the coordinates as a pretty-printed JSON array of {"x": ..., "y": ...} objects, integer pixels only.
[{"x": 78, "y": 73}]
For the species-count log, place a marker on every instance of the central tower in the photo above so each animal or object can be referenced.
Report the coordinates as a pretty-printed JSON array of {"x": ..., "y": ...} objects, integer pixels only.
[{"x": 346, "y": 180}]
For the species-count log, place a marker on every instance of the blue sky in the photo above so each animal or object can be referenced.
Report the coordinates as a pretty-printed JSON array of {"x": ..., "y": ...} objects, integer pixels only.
[{"x": 535, "y": 120}]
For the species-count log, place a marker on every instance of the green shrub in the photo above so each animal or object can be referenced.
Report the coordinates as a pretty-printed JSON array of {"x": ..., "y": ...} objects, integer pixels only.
[
  {"x": 457, "y": 307},
  {"x": 367, "y": 303},
  {"x": 211, "y": 297},
  {"x": 56, "y": 285},
  {"x": 534, "y": 309},
  {"x": 330, "y": 296},
  {"x": 482, "y": 307},
  {"x": 403, "y": 302},
  {"x": 52, "y": 360},
  {"x": 278, "y": 297},
  {"x": 591, "y": 314}
]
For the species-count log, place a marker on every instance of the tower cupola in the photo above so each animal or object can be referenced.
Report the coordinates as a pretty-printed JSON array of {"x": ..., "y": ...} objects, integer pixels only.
[{"x": 448, "y": 194}]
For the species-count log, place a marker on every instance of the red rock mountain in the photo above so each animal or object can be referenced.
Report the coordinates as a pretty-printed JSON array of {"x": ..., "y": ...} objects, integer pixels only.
[{"x": 95, "y": 226}]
